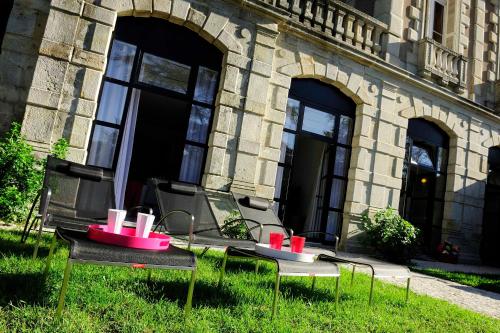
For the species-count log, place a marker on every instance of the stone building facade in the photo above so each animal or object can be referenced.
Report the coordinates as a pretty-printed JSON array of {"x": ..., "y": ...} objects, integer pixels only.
[{"x": 395, "y": 61}]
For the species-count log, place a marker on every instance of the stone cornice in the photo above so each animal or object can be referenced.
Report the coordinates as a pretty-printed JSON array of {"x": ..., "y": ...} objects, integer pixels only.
[{"x": 286, "y": 24}]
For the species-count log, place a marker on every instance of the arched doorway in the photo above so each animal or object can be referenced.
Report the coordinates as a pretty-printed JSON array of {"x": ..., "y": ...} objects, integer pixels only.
[
  {"x": 312, "y": 172},
  {"x": 424, "y": 180},
  {"x": 156, "y": 105},
  {"x": 490, "y": 246}
]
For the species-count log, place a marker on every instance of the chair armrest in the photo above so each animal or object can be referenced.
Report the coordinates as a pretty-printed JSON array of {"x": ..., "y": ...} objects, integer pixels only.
[
  {"x": 163, "y": 220},
  {"x": 45, "y": 196}
]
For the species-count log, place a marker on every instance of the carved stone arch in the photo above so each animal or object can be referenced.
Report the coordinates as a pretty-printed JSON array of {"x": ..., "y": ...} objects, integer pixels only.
[
  {"x": 440, "y": 118},
  {"x": 349, "y": 82},
  {"x": 492, "y": 141},
  {"x": 213, "y": 27}
]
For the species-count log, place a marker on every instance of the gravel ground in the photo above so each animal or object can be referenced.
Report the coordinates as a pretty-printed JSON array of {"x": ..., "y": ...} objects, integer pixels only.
[{"x": 477, "y": 300}]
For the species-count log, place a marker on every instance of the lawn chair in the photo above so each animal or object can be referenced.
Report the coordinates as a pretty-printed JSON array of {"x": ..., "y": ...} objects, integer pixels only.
[
  {"x": 86, "y": 251},
  {"x": 258, "y": 209},
  {"x": 73, "y": 197},
  {"x": 187, "y": 215},
  {"x": 265, "y": 215}
]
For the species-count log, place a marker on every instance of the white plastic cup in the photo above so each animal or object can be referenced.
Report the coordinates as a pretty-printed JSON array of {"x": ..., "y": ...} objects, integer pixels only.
[
  {"x": 144, "y": 225},
  {"x": 115, "y": 220}
]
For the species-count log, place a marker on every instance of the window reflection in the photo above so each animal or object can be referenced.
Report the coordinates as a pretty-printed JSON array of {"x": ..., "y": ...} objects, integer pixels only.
[
  {"x": 318, "y": 122},
  {"x": 287, "y": 144},
  {"x": 121, "y": 60},
  {"x": 192, "y": 162},
  {"x": 341, "y": 159},
  {"x": 420, "y": 156},
  {"x": 337, "y": 193},
  {"x": 332, "y": 225},
  {"x": 198, "y": 124},
  {"x": 345, "y": 130},
  {"x": 112, "y": 103},
  {"x": 164, "y": 73},
  {"x": 292, "y": 114},
  {"x": 103, "y": 146},
  {"x": 206, "y": 85}
]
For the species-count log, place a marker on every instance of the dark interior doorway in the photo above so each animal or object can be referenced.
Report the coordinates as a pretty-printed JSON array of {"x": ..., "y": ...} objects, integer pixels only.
[
  {"x": 308, "y": 155},
  {"x": 490, "y": 244},
  {"x": 424, "y": 181}
]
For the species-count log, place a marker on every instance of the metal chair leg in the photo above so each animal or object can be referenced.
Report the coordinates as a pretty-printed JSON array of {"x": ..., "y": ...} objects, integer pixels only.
[
  {"x": 313, "y": 283},
  {"x": 33, "y": 225},
  {"x": 222, "y": 270},
  {"x": 150, "y": 271},
  {"x": 371, "y": 290},
  {"x": 407, "y": 290},
  {"x": 64, "y": 288},
  {"x": 205, "y": 250},
  {"x": 276, "y": 294},
  {"x": 337, "y": 289},
  {"x": 189, "y": 302},
  {"x": 38, "y": 239},
  {"x": 352, "y": 274},
  {"x": 257, "y": 265},
  {"x": 51, "y": 254}
]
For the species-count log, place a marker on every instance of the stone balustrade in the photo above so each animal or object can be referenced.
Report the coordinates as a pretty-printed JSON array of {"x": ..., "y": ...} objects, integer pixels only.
[
  {"x": 335, "y": 20},
  {"x": 435, "y": 61}
]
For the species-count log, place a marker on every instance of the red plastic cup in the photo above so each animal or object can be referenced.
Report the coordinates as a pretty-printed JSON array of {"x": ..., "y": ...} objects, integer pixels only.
[
  {"x": 276, "y": 240},
  {"x": 298, "y": 244}
]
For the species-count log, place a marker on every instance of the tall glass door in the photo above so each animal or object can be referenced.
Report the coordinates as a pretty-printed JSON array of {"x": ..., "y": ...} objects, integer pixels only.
[{"x": 316, "y": 145}]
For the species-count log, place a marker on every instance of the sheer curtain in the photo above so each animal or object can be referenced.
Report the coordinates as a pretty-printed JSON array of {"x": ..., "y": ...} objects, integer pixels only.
[
  {"x": 313, "y": 223},
  {"x": 122, "y": 167}
]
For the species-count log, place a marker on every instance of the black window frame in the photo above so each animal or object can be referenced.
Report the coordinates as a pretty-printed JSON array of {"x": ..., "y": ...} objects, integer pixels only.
[{"x": 135, "y": 83}]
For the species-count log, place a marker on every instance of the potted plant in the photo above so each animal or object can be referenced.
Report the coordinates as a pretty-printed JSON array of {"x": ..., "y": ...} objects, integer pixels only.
[{"x": 390, "y": 235}]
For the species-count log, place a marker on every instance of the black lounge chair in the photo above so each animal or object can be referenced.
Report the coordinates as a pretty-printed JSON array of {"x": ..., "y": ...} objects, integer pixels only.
[
  {"x": 186, "y": 214},
  {"x": 264, "y": 214},
  {"x": 258, "y": 209},
  {"x": 73, "y": 196},
  {"x": 85, "y": 251}
]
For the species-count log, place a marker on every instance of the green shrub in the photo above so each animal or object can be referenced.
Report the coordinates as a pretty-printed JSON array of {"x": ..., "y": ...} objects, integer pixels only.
[
  {"x": 237, "y": 230},
  {"x": 21, "y": 173},
  {"x": 391, "y": 235}
]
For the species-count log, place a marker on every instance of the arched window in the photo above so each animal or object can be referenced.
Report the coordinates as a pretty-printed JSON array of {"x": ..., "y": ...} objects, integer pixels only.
[
  {"x": 315, "y": 153},
  {"x": 424, "y": 179},
  {"x": 156, "y": 105}
]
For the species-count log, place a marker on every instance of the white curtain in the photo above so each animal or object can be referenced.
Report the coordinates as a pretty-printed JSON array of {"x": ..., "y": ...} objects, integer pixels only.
[{"x": 122, "y": 167}]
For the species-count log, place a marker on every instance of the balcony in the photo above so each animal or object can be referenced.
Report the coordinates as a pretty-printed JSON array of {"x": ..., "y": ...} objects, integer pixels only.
[
  {"x": 446, "y": 67},
  {"x": 333, "y": 20}
]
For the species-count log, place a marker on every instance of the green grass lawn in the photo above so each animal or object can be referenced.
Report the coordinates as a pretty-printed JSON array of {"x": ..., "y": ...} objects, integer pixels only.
[
  {"x": 114, "y": 299},
  {"x": 488, "y": 282}
]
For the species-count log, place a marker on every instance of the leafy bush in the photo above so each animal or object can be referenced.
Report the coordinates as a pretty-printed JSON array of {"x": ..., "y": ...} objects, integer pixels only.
[
  {"x": 21, "y": 173},
  {"x": 390, "y": 234},
  {"x": 237, "y": 230}
]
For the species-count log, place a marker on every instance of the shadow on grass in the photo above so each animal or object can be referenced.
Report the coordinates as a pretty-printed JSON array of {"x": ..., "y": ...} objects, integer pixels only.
[
  {"x": 302, "y": 289},
  {"x": 15, "y": 247},
  {"x": 22, "y": 287},
  {"x": 205, "y": 293}
]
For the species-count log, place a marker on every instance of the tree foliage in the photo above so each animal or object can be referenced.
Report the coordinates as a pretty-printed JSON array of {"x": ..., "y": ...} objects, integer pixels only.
[{"x": 21, "y": 173}]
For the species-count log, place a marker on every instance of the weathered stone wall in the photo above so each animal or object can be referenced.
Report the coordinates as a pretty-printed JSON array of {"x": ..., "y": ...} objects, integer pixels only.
[
  {"x": 18, "y": 57},
  {"x": 261, "y": 56}
]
